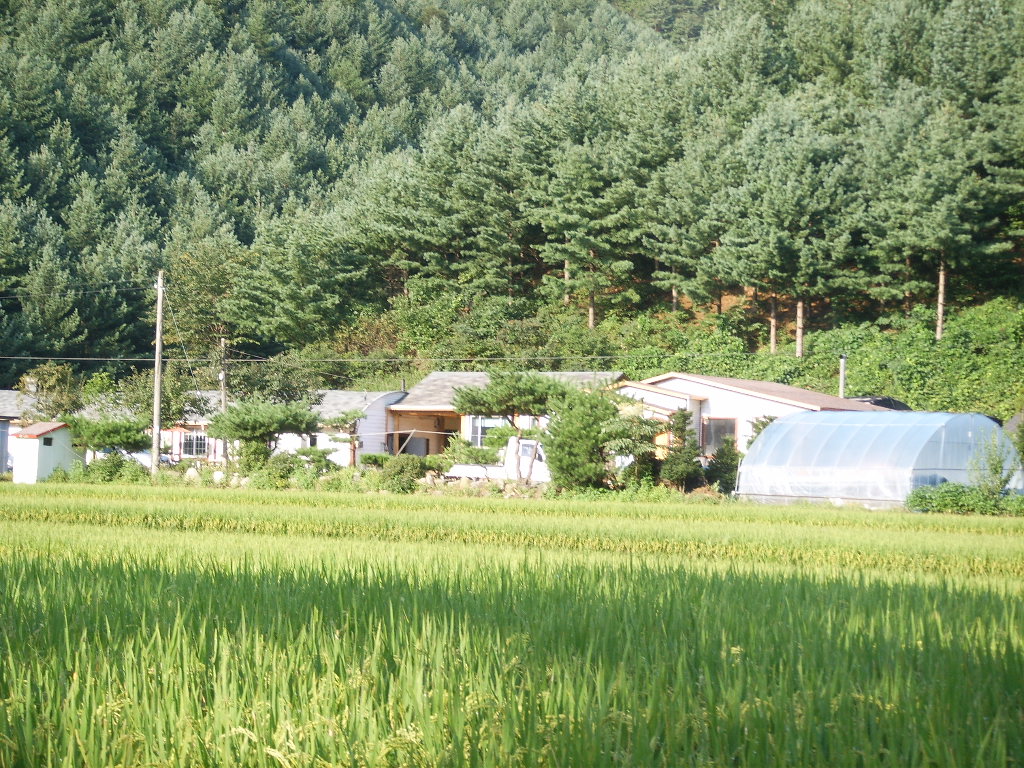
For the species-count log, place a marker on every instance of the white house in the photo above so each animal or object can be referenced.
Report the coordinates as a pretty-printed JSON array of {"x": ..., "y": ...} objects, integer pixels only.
[
  {"x": 188, "y": 438},
  {"x": 41, "y": 448},
  {"x": 346, "y": 449},
  {"x": 727, "y": 408}
]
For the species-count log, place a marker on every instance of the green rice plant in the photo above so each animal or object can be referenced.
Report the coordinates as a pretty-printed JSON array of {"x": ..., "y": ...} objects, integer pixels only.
[{"x": 184, "y": 627}]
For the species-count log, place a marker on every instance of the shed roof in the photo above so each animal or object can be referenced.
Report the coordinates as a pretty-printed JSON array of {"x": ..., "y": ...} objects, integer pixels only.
[
  {"x": 41, "y": 428},
  {"x": 770, "y": 390},
  {"x": 436, "y": 392}
]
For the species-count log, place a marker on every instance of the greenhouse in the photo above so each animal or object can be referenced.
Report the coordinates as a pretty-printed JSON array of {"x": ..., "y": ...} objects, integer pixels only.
[{"x": 871, "y": 458}]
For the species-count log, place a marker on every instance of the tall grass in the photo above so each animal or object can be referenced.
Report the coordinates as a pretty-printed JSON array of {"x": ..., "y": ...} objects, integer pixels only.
[{"x": 510, "y": 636}]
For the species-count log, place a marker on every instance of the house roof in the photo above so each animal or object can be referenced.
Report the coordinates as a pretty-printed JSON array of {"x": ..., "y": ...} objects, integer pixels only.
[
  {"x": 41, "y": 428},
  {"x": 10, "y": 408},
  {"x": 437, "y": 391},
  {"x": 656, "y": 390},
  {"x": 770, "y": 390},
  {"x": 335, "y": 402},
  {"x": 14, "y": 404}
]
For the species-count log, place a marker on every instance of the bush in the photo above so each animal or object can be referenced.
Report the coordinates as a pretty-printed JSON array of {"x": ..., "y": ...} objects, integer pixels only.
[
  {"x": 954, "y": 499},
  {"x": 575, "y": 444},
  {"x": 112, "y": 468},
  {"x": 277, "y": 471},
  {"x": 460, "y": 451},
  {"x": 252, "y": 456},
  {"x": 681, "y": 467},
  {"x": 1014, "y": 505},
  {"x": 723, "y": 467},
  {"x": 375, "y": 459},
  {"x": 344, "y": 479},
  {"x": 402, "y": 473}
]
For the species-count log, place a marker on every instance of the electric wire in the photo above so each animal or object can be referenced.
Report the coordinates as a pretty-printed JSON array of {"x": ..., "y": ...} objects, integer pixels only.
[{"x": 184, "y": 347}]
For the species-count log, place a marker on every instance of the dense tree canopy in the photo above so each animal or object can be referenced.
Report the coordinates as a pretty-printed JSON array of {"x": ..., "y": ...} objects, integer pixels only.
[{"x": 423, "y": 179}]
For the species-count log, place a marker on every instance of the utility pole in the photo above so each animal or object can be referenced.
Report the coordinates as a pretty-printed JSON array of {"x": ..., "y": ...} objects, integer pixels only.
[
  {"x": 223, "y": 377},
  {"x": 158, "y": 364}
]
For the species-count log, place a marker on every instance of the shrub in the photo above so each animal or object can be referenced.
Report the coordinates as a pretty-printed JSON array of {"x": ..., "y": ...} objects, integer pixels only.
[
  {"x": 460, "y": 451},
  {"x": 252, "y": 456},
  {"x": 575, "y": 445},
  {"x": 315, "y": 460},
  {"x": 59, "y": 475},
  {"x": 375, "y": 459},
  {"x": 681, "y": 467},
  {"x": 342, "y": 479},
  {"x": 1013, "y": 505},
  {"x": 723, "y": 467},
  {"x": 402, "y": 473},
  {"x": 277, "y": 471},
  {"x": 955, "y": 499}
]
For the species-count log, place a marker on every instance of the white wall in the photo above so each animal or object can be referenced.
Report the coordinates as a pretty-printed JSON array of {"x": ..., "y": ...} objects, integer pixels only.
[
  {"x": 711, "y": 402},
  {"x": 372, "y": 434}
]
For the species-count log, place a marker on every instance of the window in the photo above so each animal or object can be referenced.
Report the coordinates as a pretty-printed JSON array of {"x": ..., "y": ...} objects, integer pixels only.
[
  {"x": 194, "y": 444},
  {"x": 480, "y": 426},
  {"x": 47, "y": 441},
  {"x": 716, "y": 432},
  {"x": 526, "y": 450}
]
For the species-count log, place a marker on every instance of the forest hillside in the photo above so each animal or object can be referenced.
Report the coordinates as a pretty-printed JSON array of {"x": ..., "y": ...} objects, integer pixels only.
[{"x": 364, "y": 190}]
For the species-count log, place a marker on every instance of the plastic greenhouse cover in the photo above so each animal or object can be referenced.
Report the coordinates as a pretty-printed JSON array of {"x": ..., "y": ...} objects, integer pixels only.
[{"x": 875, "y": 458}]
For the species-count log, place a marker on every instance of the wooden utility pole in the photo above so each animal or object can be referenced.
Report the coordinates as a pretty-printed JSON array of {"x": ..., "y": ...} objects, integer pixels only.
[
  {"x": 940, "y": 303},
  {"x": 799, "y": 327},
  {"x": 223, "y": 377},
  {"x": 158, "y": 364}
]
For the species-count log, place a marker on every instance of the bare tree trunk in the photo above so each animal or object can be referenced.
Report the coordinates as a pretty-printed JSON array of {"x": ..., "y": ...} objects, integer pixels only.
[
  {"x": 940, "y": 303},
  {"x": 773, "y": 326},
  {"x": 799, "y": 327},
  {"x": 675, "y": 299},
  {"x": 591, "y": 311},
  {"x": 565, "y": 279}
]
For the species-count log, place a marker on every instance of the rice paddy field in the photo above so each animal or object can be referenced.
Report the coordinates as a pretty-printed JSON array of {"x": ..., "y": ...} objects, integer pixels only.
[{"x": 205, "y": 627}]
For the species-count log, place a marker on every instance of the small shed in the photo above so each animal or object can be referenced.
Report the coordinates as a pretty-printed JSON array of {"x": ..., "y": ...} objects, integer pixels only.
[
  {"x": 872, "y": 459},
  {"x": 39, "y": 449}
]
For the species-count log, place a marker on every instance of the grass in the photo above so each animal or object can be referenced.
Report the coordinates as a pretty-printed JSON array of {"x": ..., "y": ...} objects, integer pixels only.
[{"x": 169, "y": 626}]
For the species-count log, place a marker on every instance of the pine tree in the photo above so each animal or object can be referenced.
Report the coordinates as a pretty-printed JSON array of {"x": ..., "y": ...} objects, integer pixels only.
[{"x": 681, "y": 467}]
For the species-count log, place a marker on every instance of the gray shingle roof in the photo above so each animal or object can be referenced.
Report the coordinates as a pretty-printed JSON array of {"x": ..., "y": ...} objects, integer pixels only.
[
  {"x": 437, "y": 391},
  {"x": 10, "y": 408},
  {"x": 14, "y": 404}
]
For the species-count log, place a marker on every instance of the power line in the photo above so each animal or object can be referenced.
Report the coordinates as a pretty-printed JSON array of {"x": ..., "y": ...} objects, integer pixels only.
[
  {"x": 250, "y": 358},
  {"x": 80, "y": 292}
]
